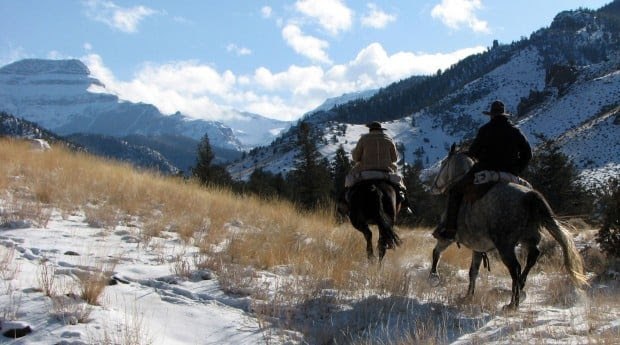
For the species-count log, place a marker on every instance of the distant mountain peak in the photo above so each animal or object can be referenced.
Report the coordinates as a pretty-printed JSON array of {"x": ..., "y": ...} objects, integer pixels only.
[{"x": 41, "y": 66}]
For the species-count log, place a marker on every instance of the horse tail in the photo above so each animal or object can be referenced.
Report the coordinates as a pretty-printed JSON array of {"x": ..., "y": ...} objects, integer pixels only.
[
  {"x": 384, "y": 221},
  {"x": 572, "y": 259}
]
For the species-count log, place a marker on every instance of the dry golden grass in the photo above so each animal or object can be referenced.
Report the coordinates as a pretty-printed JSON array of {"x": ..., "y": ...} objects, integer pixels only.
[{"x": 239, "y": 235}]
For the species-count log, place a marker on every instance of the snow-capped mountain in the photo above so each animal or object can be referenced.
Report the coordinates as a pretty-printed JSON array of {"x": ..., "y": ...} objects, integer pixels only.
[
  {"x": 563, "y": 82},
  {"x": 255, "y": 130},
  {"x": 58, "y": 95}
]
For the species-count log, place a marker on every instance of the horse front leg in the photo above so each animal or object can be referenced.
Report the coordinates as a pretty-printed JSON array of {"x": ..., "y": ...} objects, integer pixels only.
[
  {"x": 474, "y": 268},
  {"x": 440, "y": 246}
]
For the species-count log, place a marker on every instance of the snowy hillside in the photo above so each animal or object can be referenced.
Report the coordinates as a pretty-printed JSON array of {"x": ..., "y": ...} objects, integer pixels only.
[{"x": 560, "y": 83}]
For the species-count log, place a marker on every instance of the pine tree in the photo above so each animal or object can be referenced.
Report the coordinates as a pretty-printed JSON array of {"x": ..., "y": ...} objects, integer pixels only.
[
  {"x": 310, "y": 180},
  {"x": 426, "y": 207},
  {"x": 265, "y": 184},
  {"x": 204, "y": 160},
  {"x": 340, "y": 168},
  {"x": 553, "y": 174},
  {"x": 608, "y": 236},
  {"x": 205, "y": 171}
]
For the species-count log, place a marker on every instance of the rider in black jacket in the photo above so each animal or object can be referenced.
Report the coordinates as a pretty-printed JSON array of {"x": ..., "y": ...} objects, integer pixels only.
[{"x": 499, "y": 146}]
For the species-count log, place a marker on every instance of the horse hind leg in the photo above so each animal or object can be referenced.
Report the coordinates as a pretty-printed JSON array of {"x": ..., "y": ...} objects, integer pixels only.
[
  {"x": 365, "y": 230},
  {"x": 532, "y": 256},
  {"x": 507, "y": 253}
]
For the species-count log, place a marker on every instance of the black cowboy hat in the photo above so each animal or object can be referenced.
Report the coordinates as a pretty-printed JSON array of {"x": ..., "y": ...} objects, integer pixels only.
[
  {"x": 497, "y": 108},
  {"x": 375, "y": 125}
]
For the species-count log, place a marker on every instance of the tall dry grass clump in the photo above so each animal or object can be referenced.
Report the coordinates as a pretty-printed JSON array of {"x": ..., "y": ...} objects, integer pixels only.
[
  {"x": 237, "y": 229},
  {"x": 230, "y": 229}
]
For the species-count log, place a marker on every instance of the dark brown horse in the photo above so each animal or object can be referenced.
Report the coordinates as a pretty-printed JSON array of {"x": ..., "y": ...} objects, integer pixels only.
[{"x": 374, "y": 202}]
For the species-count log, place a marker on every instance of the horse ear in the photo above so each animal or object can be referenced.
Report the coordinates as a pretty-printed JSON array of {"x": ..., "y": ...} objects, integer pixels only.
[{"x": 453, "y": 148}]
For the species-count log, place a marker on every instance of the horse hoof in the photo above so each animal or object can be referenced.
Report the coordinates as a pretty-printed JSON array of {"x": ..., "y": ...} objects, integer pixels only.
[
  {"x": 434, "y": 279},
  {"x": 467, "y": 298},
  {"x": 509, "y": 307}
]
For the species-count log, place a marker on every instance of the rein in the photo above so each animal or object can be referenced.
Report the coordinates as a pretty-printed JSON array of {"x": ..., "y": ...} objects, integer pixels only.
[{"x": 448, "y": 184}]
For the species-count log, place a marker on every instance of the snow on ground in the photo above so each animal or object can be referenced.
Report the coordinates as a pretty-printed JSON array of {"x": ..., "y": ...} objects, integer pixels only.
[
  {"x": 152, "y": 303},
  {"x": 170, "y": 310}
]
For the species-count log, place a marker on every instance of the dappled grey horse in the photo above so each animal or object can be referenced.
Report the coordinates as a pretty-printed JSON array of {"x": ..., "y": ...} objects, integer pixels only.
[{"x": 507, "y": 215}]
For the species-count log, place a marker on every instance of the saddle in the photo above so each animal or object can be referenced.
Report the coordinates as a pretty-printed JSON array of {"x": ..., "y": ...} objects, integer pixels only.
[
  {"x": 356, "y": 177},
  {"x": 485, "y": 180}
]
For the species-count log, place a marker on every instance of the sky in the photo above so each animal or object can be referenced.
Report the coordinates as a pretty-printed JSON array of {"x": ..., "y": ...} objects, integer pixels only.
[{"x": 279, "y": 59}]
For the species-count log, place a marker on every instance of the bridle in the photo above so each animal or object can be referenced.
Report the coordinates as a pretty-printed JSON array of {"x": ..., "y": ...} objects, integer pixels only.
[{"x": 446, "y": 165}]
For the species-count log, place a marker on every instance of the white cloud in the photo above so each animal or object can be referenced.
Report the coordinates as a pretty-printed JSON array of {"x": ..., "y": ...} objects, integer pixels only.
[
  {"x": 12, "y": 54},
  {"x": 88, "y": 46},
  {"x": 235, "y": 49},
  {"x": 332, "y": 15},
  {"x": 266, "y": 11},
  {"x": 56, "y": 55},
  {"x": 188, "y": 87},
  {"x": 455, "y": 13},
  {"x": 201, "y": 91},
  {"x": 306, "y": 45},
  {"x": 119, "y": 18},
  {"x": 376, "y": 18}
]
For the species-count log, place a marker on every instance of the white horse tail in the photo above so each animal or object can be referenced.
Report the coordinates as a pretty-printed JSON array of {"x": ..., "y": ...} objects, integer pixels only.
[{"x": 572, "y": 259}]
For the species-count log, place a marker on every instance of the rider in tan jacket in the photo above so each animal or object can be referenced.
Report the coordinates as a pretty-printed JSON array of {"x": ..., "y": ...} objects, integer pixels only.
[{"x": 375, "y": 151}]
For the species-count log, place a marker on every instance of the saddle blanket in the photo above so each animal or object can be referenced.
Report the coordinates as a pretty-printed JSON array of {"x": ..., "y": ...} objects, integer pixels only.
[
  {"x": 486, "y": 176},
  {"x": 355, "y": 177}
]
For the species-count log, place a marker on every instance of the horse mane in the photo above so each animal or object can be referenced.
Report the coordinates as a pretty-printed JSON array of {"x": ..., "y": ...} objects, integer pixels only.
[{"x": 463, "y": 147}]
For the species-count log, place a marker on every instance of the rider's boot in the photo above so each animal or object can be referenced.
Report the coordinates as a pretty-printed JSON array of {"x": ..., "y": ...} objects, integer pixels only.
[
  {"x": 405, "y": 202},
  {"x": 454, "y": 203}
]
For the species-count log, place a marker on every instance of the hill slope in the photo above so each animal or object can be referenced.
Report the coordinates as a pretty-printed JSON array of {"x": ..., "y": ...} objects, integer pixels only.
[{"x": 558, "y": 81}]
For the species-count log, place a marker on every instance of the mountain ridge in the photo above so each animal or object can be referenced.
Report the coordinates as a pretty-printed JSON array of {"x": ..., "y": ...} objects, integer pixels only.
[
  {"x": 59, "y": 95},
  {"x": 551, "y": 87}
]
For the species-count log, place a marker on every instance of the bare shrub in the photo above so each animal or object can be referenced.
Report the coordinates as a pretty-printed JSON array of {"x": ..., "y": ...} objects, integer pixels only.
[
  {"x": 560, "y": 291},
  {"x": 8, "y": 266},
  {"x": 594, "y": 260},
  {"x": 70, "y": 309},
  {"x": 35, "y": 211},
  {"x": 46, "y": 277},
  {"x": 181, "y": 265},
  {"x": 10, "y": 310},
  {"x": 92, "y": 286},
  {"x": 92, "y": 283},
  {"x": 152, "y": 227},
  {"x": 102, "y": 216},
  {"x": 133, "y": 330}
]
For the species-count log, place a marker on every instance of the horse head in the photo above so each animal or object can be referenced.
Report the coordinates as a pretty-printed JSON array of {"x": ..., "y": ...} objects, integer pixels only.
[{"x": 451, "y": 169}]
